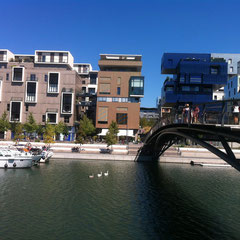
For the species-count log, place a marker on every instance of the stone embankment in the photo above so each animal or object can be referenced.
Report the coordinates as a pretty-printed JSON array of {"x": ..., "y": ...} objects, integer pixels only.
[{"x": 184, "y": 155}]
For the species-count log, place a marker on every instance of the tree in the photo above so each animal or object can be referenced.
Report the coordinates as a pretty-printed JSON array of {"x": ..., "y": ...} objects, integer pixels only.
[
  {"x": 61, "y": 128},
  {"x": 17, "y": 129},
  {"x": 30, "y": 126},
  {"x": 86, "y": 129},
  {"x": 111, "y": 136},
  {"x": 49, "y": 133},
  {"x": 4, "y": 123}
]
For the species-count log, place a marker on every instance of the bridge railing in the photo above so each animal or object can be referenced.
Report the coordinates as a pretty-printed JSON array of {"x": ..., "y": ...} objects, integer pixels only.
[{"x": 224, "y": 112}]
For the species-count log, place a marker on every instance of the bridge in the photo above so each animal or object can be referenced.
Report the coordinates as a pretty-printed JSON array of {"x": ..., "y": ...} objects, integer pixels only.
[{"x": 215, "y": 124}]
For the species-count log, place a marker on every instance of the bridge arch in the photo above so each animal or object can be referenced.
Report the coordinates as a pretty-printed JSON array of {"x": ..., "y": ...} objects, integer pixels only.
[{"x": 161, "y": 138}]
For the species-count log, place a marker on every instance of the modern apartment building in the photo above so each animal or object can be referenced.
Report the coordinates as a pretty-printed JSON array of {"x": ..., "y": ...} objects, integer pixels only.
[
  {"x": 86, "y": 91},
  {"x": 120, "y": 88},
  {"x": 196, "y": 78},
  {"x": 43, "y": 84}
]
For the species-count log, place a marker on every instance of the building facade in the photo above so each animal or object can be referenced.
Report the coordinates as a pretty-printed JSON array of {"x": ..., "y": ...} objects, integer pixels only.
[
  {"x": 120, "y": 88},
  {"x": 195, "y": 78},
  {"x": 86, "y": 91},
  {"x": 43, "y": 84}
]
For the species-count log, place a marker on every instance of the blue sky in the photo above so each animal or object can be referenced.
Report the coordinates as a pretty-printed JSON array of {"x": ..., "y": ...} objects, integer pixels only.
[{"x": 150, "y": 28}]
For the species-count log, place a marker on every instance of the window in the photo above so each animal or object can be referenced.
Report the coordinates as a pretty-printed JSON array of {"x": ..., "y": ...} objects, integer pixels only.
[
  {"x": 17, "y": 74},
  {"x": 229, "y": 94},
  {"x": 31, "y": 92},
  {"x": 43, "y": 118},
  {"x": 15, "y": 111},
  {"x": 46, "y": 78},
  {"x": 170, "y": 61},
  {"x": 229, "y": 61},
  {"x": 186, "y": 88},
  {"x": 8, "y": 107},
  {"x": 51, "y": 117},
  {"x": 26, "y": 108},
  {"x": 83, "y": 82},
  {"x": 67, "y": 102},
  {"x": 234, "y": 90},
  {"x": 115, "y": 99},
  {"x": 118, "y": 81},
  {"x": 118, "y": 90},
  {"x": 169, "y": 89},
  {"x": 122, "y": 118},
  {"x": 231, "y": 69},
  {"x": 7, "y": 76},
  {"x": 231, "y": 84},
  {"x": 104, "y": 88},
  {"x": 91, "y": 90},
  {"x": 32, "y": 77},
  {"x": 102, "y": 99},
  {"x": 207, "y": 89},
  {"x": 214, "y": 70},
  {"x": 53, "y": 82},
  {"x": 122, "y": 109},
  {"x": 66, "y": 119},
  {"x": 215, "y": 97},
  {"x": 195, "y": 78},
  {"x": 136, "y": 85},
  {"x": 182, "y": 78},
  {"x": 103, "y": 115},
  {"x": 93, "y": 78},
  {"x": 228, "y": 85}
]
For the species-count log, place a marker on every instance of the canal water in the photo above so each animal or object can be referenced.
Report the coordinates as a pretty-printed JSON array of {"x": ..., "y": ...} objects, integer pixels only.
[{"x": 136, "y": 201}]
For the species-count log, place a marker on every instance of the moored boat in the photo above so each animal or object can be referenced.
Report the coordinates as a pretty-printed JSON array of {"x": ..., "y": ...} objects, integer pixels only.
[{"x": 15, "y": 162}]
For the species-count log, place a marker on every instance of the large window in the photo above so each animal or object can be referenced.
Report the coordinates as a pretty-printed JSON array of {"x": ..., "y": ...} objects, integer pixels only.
[
  {"x": 31, "y": 92},
  {"x": 53, "y": 82},
  {"x": 15, "y": 111},
  {"x": 122, "y": 118},
  {"x": 136, "y": 86},
  {"x": 67, "y": 102},
  {"x": 103, "y": 115},
  {"x": 17, "y": 74},
  {"x": 104, "y": 88}
]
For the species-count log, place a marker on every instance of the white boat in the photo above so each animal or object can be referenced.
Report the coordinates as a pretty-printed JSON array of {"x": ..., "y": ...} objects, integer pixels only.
[
  {"x": 46, "y": 155},
  {"x": 17, "y": 159},
  {"x": 15, "y": 162}
]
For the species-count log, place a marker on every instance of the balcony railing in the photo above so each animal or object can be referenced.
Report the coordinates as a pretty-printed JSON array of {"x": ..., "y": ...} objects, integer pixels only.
[
  {"x": 53, "y": 88},
  {"x": 31, "y": 97}
]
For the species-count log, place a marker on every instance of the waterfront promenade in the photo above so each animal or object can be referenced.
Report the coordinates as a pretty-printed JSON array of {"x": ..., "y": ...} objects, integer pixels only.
[{"x": 179, "y": 155}]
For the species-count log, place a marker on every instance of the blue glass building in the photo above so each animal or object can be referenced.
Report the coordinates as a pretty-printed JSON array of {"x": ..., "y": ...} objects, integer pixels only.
[{"x": 194, "y": 78}]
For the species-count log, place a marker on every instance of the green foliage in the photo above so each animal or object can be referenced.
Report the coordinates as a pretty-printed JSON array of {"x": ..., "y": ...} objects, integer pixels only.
[
  {"x": 86, "y": 129},
  {"x": 146, "y": 122},
  {"x": 4, "y": 123},
  {"x": 61, "y": 128},
  {"x": 30, "y": 126},
  {"x": 111, "y": 136},
  {"x": 49, "y": 133},
  {"x": 17, "y": 129}
]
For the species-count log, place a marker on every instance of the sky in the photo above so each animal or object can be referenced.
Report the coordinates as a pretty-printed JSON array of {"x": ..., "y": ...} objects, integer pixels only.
[{"x": 144, "y": 27}]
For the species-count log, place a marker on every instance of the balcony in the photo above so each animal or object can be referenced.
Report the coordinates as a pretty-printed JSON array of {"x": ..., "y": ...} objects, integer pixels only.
[
  {"x": 53, "y": 57},
  {"x": 85, "y": 103}
]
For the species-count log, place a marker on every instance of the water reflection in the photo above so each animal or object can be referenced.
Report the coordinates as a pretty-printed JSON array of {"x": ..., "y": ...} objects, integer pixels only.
[{"x": 136, "y": 201}]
